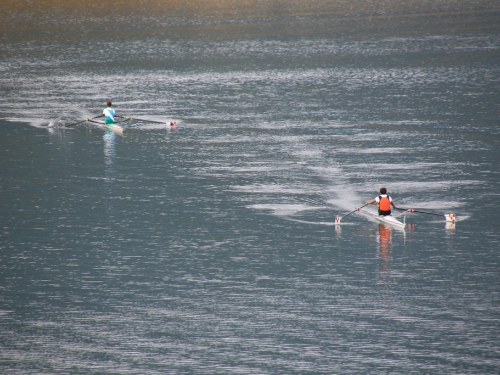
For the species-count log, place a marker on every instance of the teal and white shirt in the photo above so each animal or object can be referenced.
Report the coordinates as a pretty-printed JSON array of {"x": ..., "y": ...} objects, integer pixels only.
[{"x": 109, "y": 114}]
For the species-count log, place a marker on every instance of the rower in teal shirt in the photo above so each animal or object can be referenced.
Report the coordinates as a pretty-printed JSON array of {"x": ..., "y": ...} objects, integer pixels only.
[{"x": 109, "y": 114}]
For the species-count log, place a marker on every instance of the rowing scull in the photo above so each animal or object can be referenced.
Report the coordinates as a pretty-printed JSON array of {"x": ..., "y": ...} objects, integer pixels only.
[
  {"x": 392, "y": 219},
  {"x": 113, "y": 127},
  {"x": 388, "y": 219}
]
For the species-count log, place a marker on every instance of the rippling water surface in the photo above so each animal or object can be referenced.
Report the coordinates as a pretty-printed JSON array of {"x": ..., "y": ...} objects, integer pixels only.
[{"x": 210, "y": 247}]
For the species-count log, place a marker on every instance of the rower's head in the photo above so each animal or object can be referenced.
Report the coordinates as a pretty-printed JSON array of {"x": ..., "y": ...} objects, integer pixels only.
[
  {"x": 383, "y": 190},
  {"x": 109, "y": 103}
]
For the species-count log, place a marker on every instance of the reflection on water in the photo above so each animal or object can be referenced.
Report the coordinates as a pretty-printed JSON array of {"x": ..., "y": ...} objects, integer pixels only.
[
  {"x": 450, "y": 225},
  {"x": 109, "y": 147},
  {"x": 384, "y": 242},
  {"x": 109, "y": 139}
]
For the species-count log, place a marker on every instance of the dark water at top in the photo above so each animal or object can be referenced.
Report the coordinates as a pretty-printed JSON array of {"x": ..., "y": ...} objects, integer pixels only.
[{"x": 210, "y": 248}]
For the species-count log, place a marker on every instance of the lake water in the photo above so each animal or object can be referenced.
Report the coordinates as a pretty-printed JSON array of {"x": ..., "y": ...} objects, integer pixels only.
[{"x": 210, "y": 247}]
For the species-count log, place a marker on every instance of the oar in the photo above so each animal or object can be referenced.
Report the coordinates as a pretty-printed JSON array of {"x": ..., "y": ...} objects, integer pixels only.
[
  {"x": 141, "y": 119},
  {"x": 88, "y": 119},
  {"x": 338, "y": 218},
  {"x": 448, "y": 217}
]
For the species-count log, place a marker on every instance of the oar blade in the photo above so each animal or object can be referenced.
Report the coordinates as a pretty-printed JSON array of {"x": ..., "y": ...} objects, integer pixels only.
[
  {"x": 450, "y": 218},
  {"x": 337, "y": 220}
]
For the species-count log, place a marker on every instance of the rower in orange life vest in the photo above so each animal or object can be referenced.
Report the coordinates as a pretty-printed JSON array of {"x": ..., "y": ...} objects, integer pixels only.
[{"x": 384, "y": 203}]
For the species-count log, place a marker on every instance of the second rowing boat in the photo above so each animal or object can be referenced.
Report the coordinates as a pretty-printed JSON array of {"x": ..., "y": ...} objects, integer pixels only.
[{"x": 113, "y": 127}]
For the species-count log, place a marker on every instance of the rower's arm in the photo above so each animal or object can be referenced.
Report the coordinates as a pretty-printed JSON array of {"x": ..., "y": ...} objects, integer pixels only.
[{"x": 371, "y": 202}]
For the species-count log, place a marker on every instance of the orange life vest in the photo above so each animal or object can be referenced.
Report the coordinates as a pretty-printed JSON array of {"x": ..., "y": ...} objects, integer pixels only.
[{"x": 384, "y": 203}]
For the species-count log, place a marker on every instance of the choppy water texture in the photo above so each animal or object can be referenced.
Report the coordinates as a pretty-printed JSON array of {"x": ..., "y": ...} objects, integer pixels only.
[{"x": 210, "y": 247}]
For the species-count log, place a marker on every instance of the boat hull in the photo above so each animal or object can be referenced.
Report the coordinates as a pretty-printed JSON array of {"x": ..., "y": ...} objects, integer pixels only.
[
  {"x": 390, "y": 220},
  {"x": 113, "y": 127}
]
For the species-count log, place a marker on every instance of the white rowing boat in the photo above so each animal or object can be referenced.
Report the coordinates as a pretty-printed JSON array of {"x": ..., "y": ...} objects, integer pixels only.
[
  {"x": 392, "y": 219},
  {"x": 388, "y": 219},
  {"x": 113, "y": 127}
]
